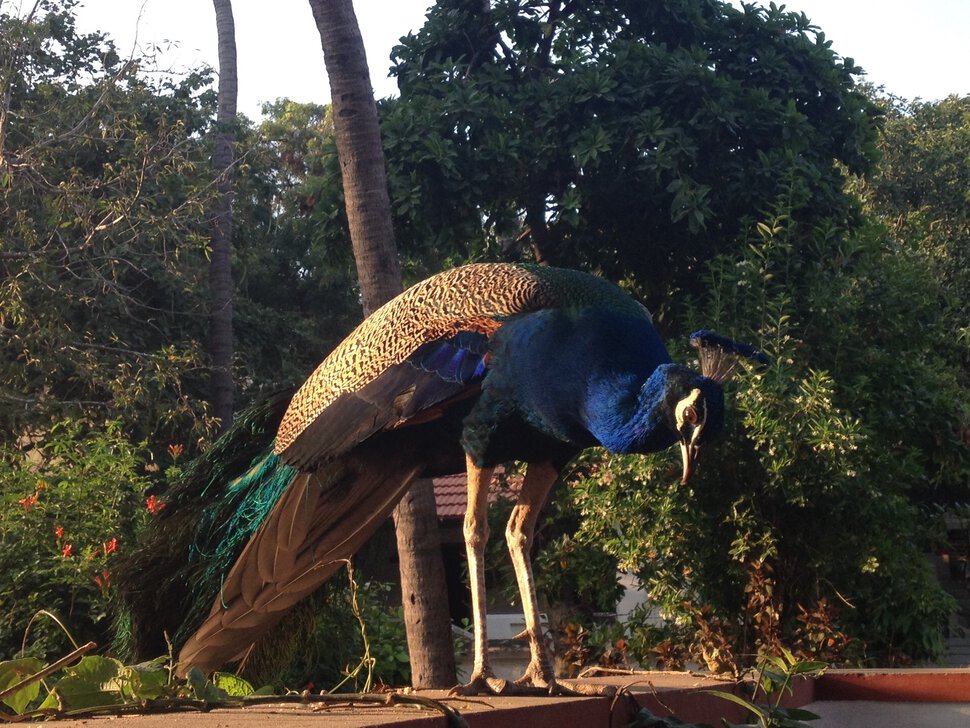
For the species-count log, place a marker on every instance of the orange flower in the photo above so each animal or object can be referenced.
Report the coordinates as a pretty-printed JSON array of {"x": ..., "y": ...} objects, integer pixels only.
[
  {"x": 154, "y": 505},
  {"x": 103, "y": 579},
  {"x": 28, "y": 502},
  {"x": 110, "y": 546},
  {"x": 59, "y": 532},
  {"x": 176, "y": 450},
  {"x": 67, "y": 551}
]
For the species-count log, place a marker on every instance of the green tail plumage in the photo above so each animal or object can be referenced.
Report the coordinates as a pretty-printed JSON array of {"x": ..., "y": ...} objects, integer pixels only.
[{"x": 169, "y": 583}]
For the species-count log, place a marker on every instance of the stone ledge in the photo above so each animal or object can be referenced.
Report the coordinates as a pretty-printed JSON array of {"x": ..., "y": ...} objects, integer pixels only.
[{"x": 846, "y": 698}]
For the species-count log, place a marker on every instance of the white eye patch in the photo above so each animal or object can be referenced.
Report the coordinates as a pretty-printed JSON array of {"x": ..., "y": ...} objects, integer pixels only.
[{"x": 691, "y": 411}]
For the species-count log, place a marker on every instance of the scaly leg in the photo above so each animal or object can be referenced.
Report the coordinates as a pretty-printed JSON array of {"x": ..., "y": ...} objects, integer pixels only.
[
  {"x": 539, "y": 479},
  {"x": 482, "y": 678}
]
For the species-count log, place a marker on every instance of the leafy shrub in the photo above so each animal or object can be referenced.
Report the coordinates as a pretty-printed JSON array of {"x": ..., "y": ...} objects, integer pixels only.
[
  {"x": 69, "y": 505},
  {"x": 331, "y": 650},
  {"x": 802, "y": 527}
]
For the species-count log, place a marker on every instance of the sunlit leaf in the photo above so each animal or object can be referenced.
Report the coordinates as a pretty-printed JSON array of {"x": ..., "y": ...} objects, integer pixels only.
[
  {"x": 15, "y": 671},
  {"x": 233, "y": 685}
]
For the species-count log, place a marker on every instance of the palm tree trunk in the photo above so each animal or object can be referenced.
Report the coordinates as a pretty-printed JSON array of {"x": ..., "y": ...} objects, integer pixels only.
[
  {"x": 361, "y": 154},
  {"x": 357, "y": 133},
  {"x": 221, "y": 385}
]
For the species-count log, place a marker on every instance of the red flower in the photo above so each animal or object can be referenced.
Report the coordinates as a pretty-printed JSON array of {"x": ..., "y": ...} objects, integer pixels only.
[
  {"x": 103, "y": 580},
  {"x": 175, "y": 451},
  {"x": 67, "y": 552},
  {"x": 28, "y": 502},
  {"x": 59, "y": 532},
  {"x": 154, "y": 505},
  {"x": 110, "y": 546}
]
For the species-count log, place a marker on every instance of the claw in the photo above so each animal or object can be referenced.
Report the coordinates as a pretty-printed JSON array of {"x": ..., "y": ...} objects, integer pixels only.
[
  {"x": 540, "y": 677},
  {"x": 482, "y": 684},
  {"x": 528, "y": 684}
]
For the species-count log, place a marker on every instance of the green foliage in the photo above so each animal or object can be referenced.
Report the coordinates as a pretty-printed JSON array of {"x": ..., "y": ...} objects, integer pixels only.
[
  {"x": 354, "y": 638},
  {"x": 628, "y": 138},
  {"x": 96, "y": 686},
  {"x": 97, "y": 683},
  {"x": 293, "y": 264},
  {"x": 103, "y": 260},
  {"x": 68, "y": 509},
  {"x": 802, "y": 529},
  {"x": 921, "y": 186},
  {"x": 774, "y": 677},
  {"x": 14, "y": 672}
]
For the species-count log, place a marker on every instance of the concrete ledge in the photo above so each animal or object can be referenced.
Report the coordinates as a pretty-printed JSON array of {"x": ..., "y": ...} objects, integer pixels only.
[{"x": 844, "y": 699}]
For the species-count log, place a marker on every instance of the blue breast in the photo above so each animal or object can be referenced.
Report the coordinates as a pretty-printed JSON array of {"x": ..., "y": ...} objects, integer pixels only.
[{"x": 577, "y": 376}]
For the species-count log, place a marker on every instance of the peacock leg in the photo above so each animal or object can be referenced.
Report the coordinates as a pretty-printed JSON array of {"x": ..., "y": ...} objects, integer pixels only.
[
  {"x": 539, "y": 479},
  {"x": 482, "y": 678}
]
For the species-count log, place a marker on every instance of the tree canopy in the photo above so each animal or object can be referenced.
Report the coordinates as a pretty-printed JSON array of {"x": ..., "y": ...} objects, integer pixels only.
[
  {"x": 101, "y": 233},
  {"x": 630, "y": 138}
]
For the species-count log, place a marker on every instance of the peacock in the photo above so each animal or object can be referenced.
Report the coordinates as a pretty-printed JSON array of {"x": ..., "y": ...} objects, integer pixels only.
[{"x": 477, "y": 366}]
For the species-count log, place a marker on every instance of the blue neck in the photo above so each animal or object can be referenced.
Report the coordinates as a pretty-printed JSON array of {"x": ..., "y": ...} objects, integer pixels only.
[
  {"x": 588, "y": 377},
  {"x": 624, "y": 422}
]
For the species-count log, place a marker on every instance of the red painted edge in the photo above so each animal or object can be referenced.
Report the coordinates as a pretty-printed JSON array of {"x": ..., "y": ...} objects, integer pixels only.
[{"x": 927, "y": 685}]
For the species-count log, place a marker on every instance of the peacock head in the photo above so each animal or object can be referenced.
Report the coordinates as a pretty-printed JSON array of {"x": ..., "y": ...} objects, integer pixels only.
[
  {"x": 696, "y": 400},
  {"x": 693, "y": 409}
]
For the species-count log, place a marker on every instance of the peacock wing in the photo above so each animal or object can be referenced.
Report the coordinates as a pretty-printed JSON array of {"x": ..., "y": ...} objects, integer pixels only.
[
  {"x": 399, "y": 361},
  {"x": 436, "y": 372}
]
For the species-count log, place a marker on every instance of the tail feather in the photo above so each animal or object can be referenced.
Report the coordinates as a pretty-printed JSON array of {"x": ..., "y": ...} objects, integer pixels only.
[{"x": 319, "y": 522}]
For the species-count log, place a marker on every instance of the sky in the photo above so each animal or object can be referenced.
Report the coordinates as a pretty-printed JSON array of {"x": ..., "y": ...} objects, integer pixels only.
[{"x": 914, "y": 53}]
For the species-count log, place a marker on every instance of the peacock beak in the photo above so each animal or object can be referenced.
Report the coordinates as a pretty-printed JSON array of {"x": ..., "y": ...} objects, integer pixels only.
[{"x": 688, "y": 452}]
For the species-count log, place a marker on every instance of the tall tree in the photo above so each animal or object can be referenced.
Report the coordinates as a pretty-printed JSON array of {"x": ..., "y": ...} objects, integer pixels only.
[
  {"x": 358, "y": 138},
  {"x": 632, "y": 138},
  {"x": 220, "y": 270},
  {"x": 101, "y": 235}
]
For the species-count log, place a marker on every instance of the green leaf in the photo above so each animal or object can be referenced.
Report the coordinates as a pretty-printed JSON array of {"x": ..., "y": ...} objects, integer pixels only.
[
  {"x": 145, "y": 681},
  {"x": 96, "y": 669},
  {"x": 75, "y": 693},
  {"x": 202, "y": 689},
  {"x": 800, "y": 668},
  {"x": 15, "y": 671},
  {"x": 795, "y": 714},
  {"x": 93, "y": 682},
  {"x": 233, "y": 685}
]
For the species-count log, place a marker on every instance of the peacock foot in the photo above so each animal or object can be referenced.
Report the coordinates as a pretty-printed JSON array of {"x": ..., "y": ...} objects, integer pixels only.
[
  {"x": 482, "y": 683},
  {"x": 539, "y": 675},
  {"x": 534, "y": 682},
  {"x": 540, "y": 679},
  {"x": 485, "y": 683}
]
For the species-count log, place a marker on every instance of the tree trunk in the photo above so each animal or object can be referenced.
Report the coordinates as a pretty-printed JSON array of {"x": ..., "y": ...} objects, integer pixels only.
[
  {"x": 361, "y": 155},
  {"x": 357, "y": 133},
  {"x": 221, "y": 385},
  {"x": 424, "y": 592}
]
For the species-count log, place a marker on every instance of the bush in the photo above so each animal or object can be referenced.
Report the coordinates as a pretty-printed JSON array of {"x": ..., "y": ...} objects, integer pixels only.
[
  {"x": 70, "y": 503},
  {"x": 803, "y": 526}
]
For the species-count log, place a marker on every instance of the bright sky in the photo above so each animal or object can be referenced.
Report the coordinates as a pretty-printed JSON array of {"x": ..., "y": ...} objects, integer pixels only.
[{"x": 915, "y": 50}]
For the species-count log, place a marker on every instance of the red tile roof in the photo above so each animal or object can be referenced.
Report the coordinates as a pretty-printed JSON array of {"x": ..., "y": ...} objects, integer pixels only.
[{"x": 451, "y": 492}]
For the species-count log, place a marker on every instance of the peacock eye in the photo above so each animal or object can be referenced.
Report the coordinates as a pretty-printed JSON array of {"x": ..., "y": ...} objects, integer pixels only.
[{"x": 690, "y": 415}]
